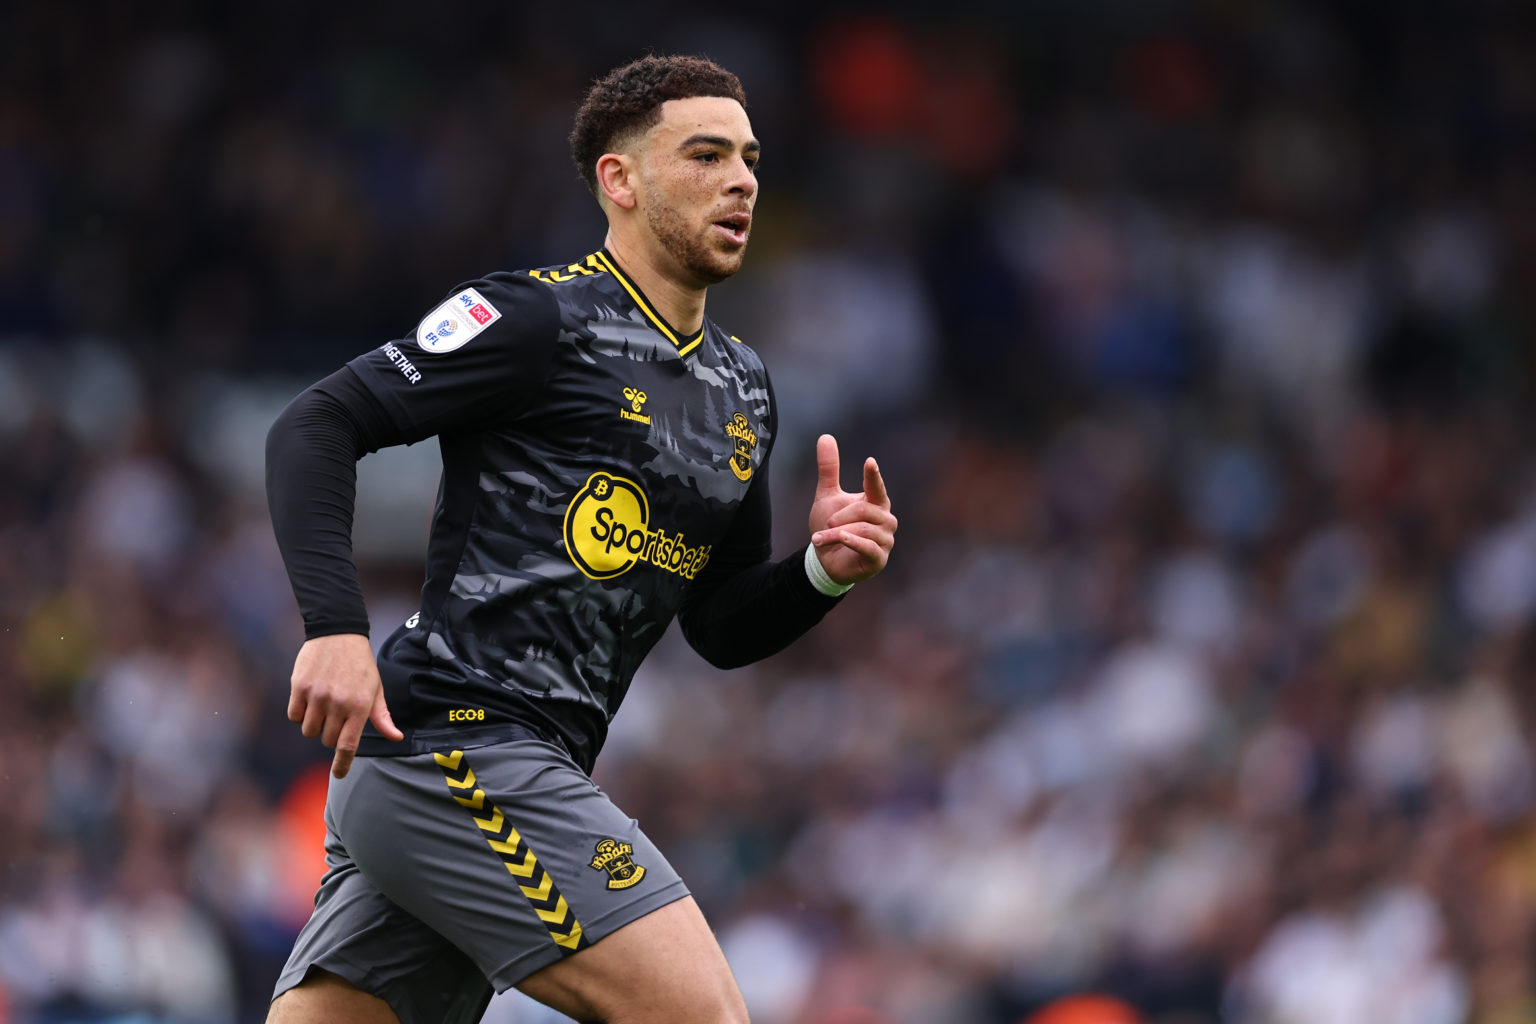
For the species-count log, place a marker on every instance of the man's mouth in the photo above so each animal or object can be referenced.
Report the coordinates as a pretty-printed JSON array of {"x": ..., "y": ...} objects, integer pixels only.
[{"x": 735, "y": 226}]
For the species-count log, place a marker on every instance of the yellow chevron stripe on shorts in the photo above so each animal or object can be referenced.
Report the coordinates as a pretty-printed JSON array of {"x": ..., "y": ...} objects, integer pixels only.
[{"x": 536, "y": 883}]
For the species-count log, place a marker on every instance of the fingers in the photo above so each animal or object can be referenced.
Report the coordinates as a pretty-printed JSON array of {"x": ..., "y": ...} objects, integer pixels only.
[
  {"x": 874, "y": 485},
  {"x": 313, "y": 720},
  {"x": 342, "y": 728},
  {"x": 826, "y": 464},
  {"x": 880, "y": 535},
  {"x": 868, "y": 549},
  {"x": 336, "y": 691},
  {"x": 381, "y": 719},
  {"x": 336, "y": 724},
  {"x": 346, "y": 745},
  {"x": 862, "y": 512},
  {"x": 339, "y": 724}
]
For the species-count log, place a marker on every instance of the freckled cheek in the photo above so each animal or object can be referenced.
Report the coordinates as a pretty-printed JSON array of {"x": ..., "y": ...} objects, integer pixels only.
[
  {"x": 699, "y": 192},
  {"x": 686, "y": 184}
]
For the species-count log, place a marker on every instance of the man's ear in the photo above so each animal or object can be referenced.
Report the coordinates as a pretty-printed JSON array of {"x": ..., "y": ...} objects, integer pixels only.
[{"x": 616, "y": 179}]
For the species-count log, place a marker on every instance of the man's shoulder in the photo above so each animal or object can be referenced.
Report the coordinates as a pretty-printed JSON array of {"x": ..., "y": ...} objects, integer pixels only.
[
  {"x": 535, "y": 286},
  {"x": 498, "y": 289},
  {"x": 577, "y": 289},
  {"x": 496, "y": 302},
  {"x": 586, "y": 270},
  {"x": 735, "y": 349}
]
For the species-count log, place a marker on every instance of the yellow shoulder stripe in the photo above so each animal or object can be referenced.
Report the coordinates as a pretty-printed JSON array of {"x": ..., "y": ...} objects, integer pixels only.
[{"x": 586, "y": 268}]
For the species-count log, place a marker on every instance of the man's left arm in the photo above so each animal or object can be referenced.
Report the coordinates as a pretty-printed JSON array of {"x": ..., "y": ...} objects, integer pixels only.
[{"x": 744, "y": 606}]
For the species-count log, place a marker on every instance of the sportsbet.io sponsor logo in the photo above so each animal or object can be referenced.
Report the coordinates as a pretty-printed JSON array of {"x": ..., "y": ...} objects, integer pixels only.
[{"x": 607, "y": 530}]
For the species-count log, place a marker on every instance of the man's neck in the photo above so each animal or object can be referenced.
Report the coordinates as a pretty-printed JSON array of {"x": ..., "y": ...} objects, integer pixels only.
[{"x": 678, "y": 304}]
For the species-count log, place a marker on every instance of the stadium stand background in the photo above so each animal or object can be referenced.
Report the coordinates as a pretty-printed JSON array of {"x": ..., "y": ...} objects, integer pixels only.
[{"x": 1195, "y": 340}]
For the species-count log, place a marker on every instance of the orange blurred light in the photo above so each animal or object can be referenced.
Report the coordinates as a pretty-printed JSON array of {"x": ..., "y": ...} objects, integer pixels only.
[
  {"x": 1087, "y": 1009},
  {"x": 301, "y": 824}
]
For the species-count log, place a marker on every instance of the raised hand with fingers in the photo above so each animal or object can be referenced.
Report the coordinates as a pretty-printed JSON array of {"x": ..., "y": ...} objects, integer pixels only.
[
  {"x": 853, "y": 533},
  {"x": 335, "y": 690}
]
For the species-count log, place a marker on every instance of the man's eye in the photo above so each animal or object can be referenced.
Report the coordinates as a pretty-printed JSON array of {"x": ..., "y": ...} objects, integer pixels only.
[{"x": 708, "y": 158}]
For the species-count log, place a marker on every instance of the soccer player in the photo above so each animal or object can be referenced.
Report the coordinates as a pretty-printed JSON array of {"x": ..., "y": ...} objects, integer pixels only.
[{"x": 605, "y": 459}]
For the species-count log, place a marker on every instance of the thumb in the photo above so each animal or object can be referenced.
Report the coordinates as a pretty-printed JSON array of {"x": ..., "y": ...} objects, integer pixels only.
[
  {"x": 379, "y": 716},
  {"x": 826, "y": 465}
]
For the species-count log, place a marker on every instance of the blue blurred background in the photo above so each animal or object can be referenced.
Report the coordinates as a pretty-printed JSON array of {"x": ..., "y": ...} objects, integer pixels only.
[{"x": 1194, "y": 337}]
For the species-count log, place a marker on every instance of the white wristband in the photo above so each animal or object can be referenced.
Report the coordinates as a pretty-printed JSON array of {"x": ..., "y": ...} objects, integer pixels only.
[{"x": 818, "y": 576}]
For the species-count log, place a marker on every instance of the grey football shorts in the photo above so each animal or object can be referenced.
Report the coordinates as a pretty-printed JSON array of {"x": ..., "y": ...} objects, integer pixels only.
[{"x": 449, "y": 874}]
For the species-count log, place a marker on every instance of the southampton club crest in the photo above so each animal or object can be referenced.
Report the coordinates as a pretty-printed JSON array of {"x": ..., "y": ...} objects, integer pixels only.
[
  {"x": 740, "y": 431},
  {"x": 618, "y": 860}
]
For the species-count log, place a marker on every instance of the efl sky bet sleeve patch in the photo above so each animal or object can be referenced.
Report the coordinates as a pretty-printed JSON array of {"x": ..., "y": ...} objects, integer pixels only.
[{"x": 452, "y": 324}]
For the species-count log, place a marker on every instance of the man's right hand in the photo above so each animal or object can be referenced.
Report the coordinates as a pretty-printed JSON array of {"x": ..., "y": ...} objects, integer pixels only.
[{"x": 336, "y": 689}]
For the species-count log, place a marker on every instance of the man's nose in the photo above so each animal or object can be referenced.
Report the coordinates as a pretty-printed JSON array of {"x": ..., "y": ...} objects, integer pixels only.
[{"x": 742, "y": 181}]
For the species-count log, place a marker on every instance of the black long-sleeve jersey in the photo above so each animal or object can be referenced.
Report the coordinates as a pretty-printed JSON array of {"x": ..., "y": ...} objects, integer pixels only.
[{"x": 602, "y": 472}]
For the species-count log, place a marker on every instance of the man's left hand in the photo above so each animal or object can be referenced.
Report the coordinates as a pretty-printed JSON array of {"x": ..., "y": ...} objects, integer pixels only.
[{"x": 853, "y": 533}]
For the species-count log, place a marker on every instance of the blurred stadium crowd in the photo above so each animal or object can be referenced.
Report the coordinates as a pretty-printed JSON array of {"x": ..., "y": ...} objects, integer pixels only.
[{"x": 1195, "y": 341}]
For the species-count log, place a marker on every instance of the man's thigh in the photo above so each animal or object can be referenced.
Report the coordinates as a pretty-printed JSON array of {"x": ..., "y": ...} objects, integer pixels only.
[
  {"x": 664, "y": 968},
  {"x": 509, "y": 852},
  {"x": 322, "y": 997}
]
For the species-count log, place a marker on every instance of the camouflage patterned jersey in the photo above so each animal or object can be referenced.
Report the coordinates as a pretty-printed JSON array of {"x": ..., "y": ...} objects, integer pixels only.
[{"x": 599, "y": 469}]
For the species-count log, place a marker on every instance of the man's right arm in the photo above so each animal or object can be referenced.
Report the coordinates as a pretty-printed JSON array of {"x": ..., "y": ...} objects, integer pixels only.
[
  {"x": 312, "y": 453},
  {"x": 405, "y": 391},
  {"x": 463, "y": 368}
]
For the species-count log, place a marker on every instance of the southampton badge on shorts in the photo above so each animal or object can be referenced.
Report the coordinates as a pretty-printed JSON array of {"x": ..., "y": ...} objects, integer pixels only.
[{"x": 616, "y": 858}]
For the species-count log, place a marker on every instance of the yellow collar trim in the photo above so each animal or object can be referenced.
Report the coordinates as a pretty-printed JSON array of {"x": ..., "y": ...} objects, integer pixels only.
[{"x": 683, "y": 348}]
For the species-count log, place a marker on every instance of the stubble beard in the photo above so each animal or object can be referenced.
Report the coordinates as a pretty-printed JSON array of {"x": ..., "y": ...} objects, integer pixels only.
[{"x": 695, "y": 252}]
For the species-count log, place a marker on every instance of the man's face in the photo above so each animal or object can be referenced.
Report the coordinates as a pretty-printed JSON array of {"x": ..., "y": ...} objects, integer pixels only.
[{"x": 698, "y": 185}]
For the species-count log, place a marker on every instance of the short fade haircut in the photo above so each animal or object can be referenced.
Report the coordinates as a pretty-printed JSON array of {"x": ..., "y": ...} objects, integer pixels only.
[{"x": 627, "y": 101}]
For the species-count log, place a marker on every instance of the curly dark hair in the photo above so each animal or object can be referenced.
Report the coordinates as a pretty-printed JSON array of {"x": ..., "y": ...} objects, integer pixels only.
[{"x": 628, "y": 100}]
